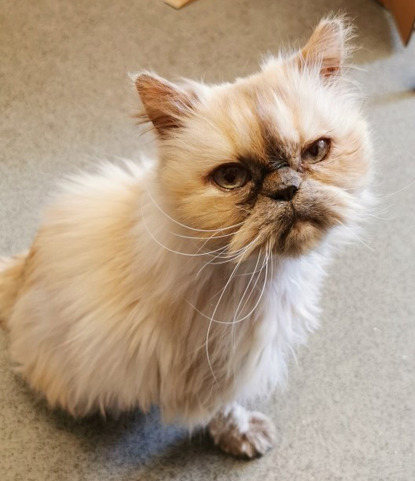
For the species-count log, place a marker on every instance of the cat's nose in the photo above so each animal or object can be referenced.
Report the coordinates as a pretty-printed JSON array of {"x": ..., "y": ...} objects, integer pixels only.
[{"x": 286, "y": 193}]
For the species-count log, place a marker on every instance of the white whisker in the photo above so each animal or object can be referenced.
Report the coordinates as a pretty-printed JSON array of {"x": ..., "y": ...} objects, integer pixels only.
[
  {"x": 213, "y": 315},
  {"x": 243, "y": 318},
  {"x": 261, "y": 294},
  {"x": 195, "y": 237},
  {"x": 385, "y": 219},
  {"x": 186, "y": 254},
  {"x": 229, "y": 258},
  {"x": 398, "y": 191},
  {"x": 187, "y": 226},
  {"x": 246, "y": 289},
  {"x": 356, "y": 236}
]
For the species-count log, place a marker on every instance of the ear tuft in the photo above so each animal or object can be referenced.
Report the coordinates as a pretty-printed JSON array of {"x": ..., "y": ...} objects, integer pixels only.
[
  {"x": 165, "y": 104},
  {"x": 328, "y": 46}
]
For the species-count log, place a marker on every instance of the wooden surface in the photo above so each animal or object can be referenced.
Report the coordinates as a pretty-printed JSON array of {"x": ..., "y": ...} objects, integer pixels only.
[
  {"x": 404, "y": 13},
  {"x": 177, "y": 3}
]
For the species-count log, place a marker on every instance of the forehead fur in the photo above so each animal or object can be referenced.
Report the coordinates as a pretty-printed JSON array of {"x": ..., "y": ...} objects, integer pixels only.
[
  {"x": 275, "y": 112},
  {"x": 270, "y": 118}
]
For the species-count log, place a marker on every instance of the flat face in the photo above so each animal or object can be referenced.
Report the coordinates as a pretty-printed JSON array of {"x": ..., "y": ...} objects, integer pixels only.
[{"x": 282, "y": 154}]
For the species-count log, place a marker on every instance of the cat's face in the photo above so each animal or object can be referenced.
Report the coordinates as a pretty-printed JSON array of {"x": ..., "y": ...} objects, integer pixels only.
[{"x": 282, "y": 155}]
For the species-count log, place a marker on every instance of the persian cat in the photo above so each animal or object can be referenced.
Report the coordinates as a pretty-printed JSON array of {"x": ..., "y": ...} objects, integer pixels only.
[{"x": 185, "y": 281}]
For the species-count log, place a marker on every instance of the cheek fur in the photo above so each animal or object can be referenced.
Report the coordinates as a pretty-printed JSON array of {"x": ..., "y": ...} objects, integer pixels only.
[
  {"x": 199, "y": 205},
  {"x": 347, "y": 167},
  {"x": 294, "y": 228}
]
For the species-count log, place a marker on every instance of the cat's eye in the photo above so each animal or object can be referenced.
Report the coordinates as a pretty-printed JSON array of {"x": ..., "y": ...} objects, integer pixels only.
[
  {"x": 230, "y": 176},
  {"x": 317, "y": 151}
]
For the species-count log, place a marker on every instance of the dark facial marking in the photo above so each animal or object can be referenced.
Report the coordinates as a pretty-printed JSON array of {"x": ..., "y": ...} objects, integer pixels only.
[
  {"x": 275, "y": 154},
  {"x": 258, "y": 171}
]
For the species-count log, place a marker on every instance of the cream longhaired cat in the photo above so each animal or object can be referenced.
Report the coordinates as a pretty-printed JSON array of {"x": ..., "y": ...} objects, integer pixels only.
[{"x": 186, "y": 281}]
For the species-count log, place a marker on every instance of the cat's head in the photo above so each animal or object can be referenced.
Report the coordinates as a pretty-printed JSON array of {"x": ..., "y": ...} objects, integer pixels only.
[{"x": 282, "y": 155}]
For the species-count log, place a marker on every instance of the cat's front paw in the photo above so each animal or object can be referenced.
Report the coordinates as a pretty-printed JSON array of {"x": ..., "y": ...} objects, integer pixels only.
[{"x": 242, "y": 433}]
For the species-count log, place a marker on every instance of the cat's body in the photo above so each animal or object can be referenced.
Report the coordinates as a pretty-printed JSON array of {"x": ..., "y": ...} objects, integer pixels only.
[
  {"x": 186, "y": 281},
  {"x": 121, "y": 308}
]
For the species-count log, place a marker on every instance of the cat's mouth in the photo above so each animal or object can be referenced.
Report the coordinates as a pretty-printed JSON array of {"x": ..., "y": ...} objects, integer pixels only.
[
  {"x": 301, "y": 236},
  {"x": 301, "y": 230},
  {"x": 290, "y": 228}
]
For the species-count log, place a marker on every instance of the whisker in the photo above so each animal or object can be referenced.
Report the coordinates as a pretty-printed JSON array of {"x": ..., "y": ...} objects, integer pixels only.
[
  {"x": 186, "y": 254},
  {"x": 213, "y": 236},
  {"x": 261, "y": 294},
  {"x": 385, "y": 219},
  {"x": 356, "y": 236},
  {"x": 230, "y": 258},
  {"x": 211, "y": 320},
  {"x": 210, "y": 262},
  {"x": 398, "y": 191},
  {"x": 209, "y": 238},
  {"x": 243, "y": 318},
  {"x": 187, "y": 226},
  {"x": 243, "y": 295},
  {"x": 250, "y": 273},
  {"x": 239, "y": 275},
  {"x": 246, "y": 289}
]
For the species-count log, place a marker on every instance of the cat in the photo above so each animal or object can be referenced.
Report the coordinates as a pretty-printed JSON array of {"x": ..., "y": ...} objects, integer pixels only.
[{"x": 185, "y": 281}]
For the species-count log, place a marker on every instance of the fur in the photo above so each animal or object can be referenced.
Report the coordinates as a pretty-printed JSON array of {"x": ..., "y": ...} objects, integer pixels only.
[{"x": 147, "y": 284}]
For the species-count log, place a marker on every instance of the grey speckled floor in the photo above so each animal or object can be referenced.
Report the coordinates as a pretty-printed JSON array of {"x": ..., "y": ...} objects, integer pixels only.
[{"x": 348, "y": 412}]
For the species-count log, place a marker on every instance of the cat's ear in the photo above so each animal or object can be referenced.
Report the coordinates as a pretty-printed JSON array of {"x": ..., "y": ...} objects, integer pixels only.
[
  {"x": 165, "y": 104},
  {"x": 327, "y": 47}
]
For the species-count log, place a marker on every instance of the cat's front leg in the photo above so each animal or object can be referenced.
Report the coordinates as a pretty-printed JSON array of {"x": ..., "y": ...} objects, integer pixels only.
[{"x": 241, "y": 432}]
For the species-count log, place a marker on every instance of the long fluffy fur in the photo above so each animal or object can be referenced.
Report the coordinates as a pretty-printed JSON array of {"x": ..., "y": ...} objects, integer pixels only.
[
  {"x": 121, "y": 302},
  {"x": 125, "y": 332}
]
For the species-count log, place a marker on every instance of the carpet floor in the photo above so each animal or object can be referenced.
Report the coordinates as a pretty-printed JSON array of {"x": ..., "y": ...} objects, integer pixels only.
[{"x": 348, "y": 412}]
